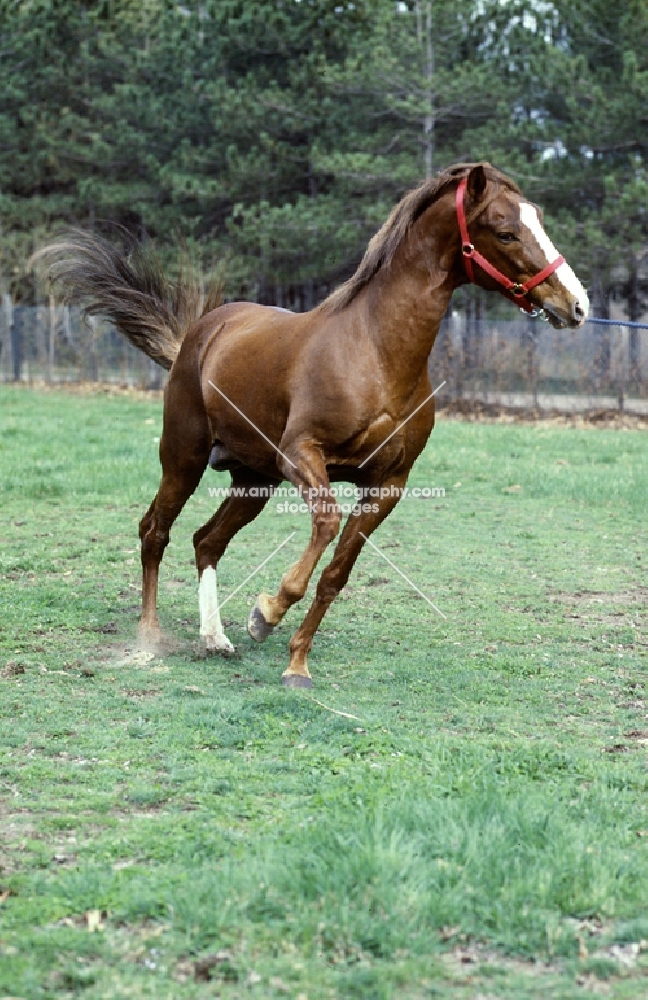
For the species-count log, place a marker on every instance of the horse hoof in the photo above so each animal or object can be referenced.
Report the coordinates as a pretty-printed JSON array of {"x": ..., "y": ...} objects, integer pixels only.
[
  {"x": 219, "y": 646},
  {"x": 257, "y": 626},
  {"x": 296, "y": 681}
]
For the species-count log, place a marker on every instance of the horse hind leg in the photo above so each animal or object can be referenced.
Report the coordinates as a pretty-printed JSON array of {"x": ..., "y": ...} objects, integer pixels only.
[
  {"x": 210, "y": 542},
  {"x": 184, "y": 453},
  {"x": 175, "y": 489},
  {"x": 149, "y": 623},
  {"x": 211, "y": 627}
]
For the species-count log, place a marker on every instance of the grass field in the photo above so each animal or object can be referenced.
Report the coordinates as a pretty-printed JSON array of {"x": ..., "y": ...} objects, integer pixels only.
[{"x": 179, "y": 827}]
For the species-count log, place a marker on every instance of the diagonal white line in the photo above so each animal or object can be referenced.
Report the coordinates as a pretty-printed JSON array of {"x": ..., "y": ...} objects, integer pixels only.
[
  {"x": 253, "y": 573},
  {"x": 393, "y": 566},
  {"x": 265, "y": 438},
  {"x": 376, "y": 450}
]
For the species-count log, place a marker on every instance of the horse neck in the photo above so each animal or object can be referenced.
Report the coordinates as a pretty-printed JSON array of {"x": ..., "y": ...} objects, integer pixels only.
[{"x": 408, "y": 301}]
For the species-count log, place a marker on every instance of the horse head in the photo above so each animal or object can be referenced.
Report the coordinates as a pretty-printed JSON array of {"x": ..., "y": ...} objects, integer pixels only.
[{"x": 504, "y": 247}]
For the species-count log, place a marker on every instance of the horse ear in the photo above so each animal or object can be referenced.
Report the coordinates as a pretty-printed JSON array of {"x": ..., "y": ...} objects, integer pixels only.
[{"x": 477, "y": 182}]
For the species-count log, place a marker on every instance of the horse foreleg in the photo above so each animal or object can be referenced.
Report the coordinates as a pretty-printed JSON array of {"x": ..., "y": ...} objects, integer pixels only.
[
  {"x": 335, "y": 576},
  {"x": 210, "y": 542},
  {"x": 311, "y": 476}
]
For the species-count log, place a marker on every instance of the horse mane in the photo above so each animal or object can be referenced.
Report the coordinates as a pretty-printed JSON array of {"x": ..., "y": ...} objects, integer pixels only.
[{"x": 382, "y": 247}]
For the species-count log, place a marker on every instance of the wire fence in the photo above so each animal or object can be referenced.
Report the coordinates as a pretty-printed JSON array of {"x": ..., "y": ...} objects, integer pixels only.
[
  {"x": 55, "y": 344},
  {"x": 526, "y": 364},
  {"x": 520, "y": 363}
]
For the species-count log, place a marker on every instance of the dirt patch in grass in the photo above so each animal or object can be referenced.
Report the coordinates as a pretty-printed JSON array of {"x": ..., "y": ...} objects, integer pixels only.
[
  {"x": 598, "y": 964},
  {"x": 91, "y": 389},
  {"x": 470, "y": 957},
  {"x": 138, "y": 694},
  {"x": 639, "y": 595},
  {"x": 477, "y": 411},
  {"x": 594, "y": 606}
]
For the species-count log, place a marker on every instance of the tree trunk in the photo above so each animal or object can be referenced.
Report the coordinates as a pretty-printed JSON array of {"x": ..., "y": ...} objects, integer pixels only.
[{"x": 426, "y": 41}]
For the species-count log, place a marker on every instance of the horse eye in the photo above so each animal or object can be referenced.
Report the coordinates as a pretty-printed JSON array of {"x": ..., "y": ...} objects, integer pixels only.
[{"x": 506, "y": 237}]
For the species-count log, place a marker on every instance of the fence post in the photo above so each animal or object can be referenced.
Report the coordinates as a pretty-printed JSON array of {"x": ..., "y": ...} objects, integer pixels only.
[
  {"x": 94, "y": 361},
  {"x": 456, "y": 337},
  {"x": 635, "y": 368},
  {"x": 15, "y": 337},
  {"x": 602, "y": 361},
  {"x": 51, "y": 331},
  {"x": 478, "y": 342},
  {"x": 622, "y": 369},
  {"x": 67, "y": 324},
  {"x": 8, "y": 318},
  {"x": 532, "y": 361},
  {"x": 155, "y": 376}
]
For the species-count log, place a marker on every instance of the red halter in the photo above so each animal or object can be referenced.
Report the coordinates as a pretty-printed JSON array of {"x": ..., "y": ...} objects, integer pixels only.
[{"x": 512, "y": 289}]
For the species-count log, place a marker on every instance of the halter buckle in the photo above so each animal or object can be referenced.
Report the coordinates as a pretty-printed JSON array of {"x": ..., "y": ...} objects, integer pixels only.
[
  {"x": 517, "y": 289},
  {"x": 467, "y": 249}
]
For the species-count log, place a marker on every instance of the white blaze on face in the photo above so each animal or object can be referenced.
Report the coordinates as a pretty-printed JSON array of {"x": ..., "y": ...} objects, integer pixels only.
[
  {"x": 211, "y": 627},
  {"x": 564, "y": 273}
]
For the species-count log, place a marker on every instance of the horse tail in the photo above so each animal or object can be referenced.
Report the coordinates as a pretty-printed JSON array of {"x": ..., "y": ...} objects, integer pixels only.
[{"x": 130, "y": 289}]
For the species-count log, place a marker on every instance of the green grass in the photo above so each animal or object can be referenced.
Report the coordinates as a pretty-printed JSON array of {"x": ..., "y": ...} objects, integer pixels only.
[{"x": 479, "y": 828}]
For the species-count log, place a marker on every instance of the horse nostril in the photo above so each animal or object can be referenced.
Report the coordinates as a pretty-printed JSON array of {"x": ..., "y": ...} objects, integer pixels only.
[{"x": 579, "y": 312}]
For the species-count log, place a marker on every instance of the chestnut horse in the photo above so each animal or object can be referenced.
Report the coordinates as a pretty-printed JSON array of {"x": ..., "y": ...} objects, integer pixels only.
[{"x": 315, "y": 397}]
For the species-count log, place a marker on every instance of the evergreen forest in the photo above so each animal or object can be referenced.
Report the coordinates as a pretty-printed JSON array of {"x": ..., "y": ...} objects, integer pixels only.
[{"x": 268, "y": 139}]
